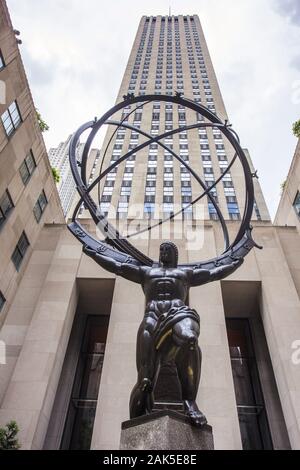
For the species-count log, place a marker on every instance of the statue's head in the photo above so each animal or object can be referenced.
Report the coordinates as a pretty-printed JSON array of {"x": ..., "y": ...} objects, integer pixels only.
[{"x": 168, "y": 254}]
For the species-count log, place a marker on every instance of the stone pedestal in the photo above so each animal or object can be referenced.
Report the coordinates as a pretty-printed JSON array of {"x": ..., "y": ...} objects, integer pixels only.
[{"x": 165, "y": 430}]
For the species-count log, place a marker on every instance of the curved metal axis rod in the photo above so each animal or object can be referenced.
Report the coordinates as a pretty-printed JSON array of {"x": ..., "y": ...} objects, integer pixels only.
[
  {"x": 156, "y": 140},
  {"x": 243, "y": 237},
  {"x": 183, "y": 162}
]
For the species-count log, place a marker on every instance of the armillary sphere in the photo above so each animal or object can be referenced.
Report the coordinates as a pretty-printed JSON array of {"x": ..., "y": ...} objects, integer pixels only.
[{"x": 119, "y": 247}]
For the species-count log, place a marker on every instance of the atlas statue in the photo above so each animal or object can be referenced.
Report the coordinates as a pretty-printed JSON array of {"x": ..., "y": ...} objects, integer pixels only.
[{"x": 170, "y": 328}]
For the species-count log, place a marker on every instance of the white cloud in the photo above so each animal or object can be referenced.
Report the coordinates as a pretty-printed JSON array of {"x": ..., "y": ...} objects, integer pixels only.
[{"x": 75, "y": 57}]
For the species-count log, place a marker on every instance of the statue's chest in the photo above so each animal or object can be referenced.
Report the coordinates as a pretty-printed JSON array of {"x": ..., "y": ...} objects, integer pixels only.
[{"x": 165, "y": 280}]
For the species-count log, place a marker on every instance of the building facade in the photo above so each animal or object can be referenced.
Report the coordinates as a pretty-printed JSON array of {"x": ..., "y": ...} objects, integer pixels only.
[
  {"x": 28, "y": 196},
  {"x": 59, "y": 159},
  {"x": 288, "y": 212},
  {"x": 70, "y": 348}
]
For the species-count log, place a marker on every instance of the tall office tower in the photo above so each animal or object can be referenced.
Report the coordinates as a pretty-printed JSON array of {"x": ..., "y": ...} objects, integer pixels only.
[
  {"x": 28, "y": 197},
  {"x": 170, "y": 54},
  {"x": 59, "y": 159}
]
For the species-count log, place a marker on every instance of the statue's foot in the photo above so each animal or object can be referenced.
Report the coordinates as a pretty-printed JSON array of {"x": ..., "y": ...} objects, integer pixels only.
[{"x": 196, "y": 416}]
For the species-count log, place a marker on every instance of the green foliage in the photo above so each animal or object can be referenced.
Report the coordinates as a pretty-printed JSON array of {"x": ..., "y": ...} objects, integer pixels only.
[
  {"x": 42, "y": 124},
  {"x": 8, "y": 436},
  {"x": 296, "y": 129},
  {"x": 55, "y": 174},
  {"x": 282, "y": 186}
]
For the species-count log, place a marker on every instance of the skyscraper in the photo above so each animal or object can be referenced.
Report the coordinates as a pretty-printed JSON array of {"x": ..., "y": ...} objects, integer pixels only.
[
  {"x": 170, "y": 55},
  {"x": 59, "y": 159},
  {"x": 71, "y": 346}
]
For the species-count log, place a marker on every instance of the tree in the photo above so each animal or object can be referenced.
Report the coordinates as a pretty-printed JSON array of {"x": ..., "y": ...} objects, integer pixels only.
[
  {"x": 55, "y": 174},
  {"x": 8, "y": 439},
  {"x": 42, "y": 124},
  {"x": 296, "y": 129}
]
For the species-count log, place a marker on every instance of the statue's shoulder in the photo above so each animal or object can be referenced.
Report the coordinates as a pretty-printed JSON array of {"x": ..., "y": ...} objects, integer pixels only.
[{"x": 152, "y": 271}]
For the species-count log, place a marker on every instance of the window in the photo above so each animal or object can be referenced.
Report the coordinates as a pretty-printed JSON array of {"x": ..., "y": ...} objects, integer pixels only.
[
  {"x": 2, "y": 64},
  {"x": 254, "y": 426},
  {"x": 256, "y": 210},
  {"x": 11, "y": 118},
  {"x": 212, "y": 211},
  {"x": 83, "y": 401},
  {"x": 6, "y": 206},
  {"x": 27, "y": 168},
  {"x": 20, "y": 251},
  {"x": 297, "y": 203},
  {"x": 233, "y": 208},
  {"x": 231, "y": 199},
  {"x": 2, "y": 301},
  {"x": 40, "y": 205}
]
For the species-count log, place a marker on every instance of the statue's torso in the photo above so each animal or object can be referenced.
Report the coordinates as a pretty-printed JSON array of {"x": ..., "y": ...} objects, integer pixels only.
[{"x": 165, "y": 284}]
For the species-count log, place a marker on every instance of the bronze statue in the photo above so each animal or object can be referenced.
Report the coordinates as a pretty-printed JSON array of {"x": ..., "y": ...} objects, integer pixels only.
[{"x": 170, "y": 328}]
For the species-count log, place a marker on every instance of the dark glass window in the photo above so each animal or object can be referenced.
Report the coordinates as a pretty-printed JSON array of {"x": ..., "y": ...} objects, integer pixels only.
[
  {"x": 233, "y": 208},
  {"x": 20, "y": 251},
  {"x": 40, "y": 206},
  {"x": 6, "y": 206},
  {"x": 254, "y": 426},
  {"x": 138, "y": 116},
  {"x": 27, "y": 168},
  {"x": 81, "y": 414},
  {"x": 106, "y": 198},
  {"x": 149, "y": 198},
  {"x": 11, "y": 118},
  {"x": 228, "y": 184},
  {"x": 2, "y": 301},
  {"x": 297, "y": 204},
  {"x": 257, "y": 212},
  {"x": 208, "y": 170},
  {"x": 2, "y": 64}
]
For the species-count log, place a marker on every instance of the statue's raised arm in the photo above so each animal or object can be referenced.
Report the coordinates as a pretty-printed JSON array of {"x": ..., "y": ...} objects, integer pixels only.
[
  {"x": 202, "y": 276},
  {"x": 128, "y": 271}
]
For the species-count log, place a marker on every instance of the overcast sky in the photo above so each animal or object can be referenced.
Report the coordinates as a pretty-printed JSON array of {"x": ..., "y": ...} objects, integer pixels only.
[{"x": 75, "y": 54}]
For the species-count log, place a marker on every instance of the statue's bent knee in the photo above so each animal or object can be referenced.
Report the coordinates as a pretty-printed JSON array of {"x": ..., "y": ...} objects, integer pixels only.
[{"x": 186, "y": 332}]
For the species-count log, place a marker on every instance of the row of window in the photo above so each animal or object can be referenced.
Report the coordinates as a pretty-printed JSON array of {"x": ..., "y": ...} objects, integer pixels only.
[{"x": 6, "y": 206}]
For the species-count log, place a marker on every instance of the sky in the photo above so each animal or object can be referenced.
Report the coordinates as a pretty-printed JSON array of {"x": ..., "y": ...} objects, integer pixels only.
[{"x": 75, "y": 54}]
